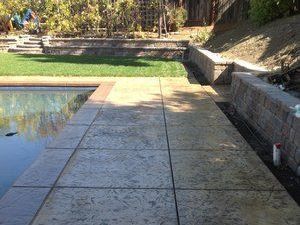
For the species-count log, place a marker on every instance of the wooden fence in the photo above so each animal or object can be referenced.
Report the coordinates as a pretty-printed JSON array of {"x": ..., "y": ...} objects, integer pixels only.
[
  {"x": 231, "y": 11},
  {"x": 208, "y": 12}
]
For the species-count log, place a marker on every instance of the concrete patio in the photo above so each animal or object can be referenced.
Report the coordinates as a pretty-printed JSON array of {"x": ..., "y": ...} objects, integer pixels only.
[{"x": 149, "y": 151}]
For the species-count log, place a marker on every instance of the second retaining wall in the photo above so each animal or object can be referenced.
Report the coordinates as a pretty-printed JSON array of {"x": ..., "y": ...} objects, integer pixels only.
[
  {"x": 267, "y": 109},
  {"x": 212, "y": 66},
  {"x": 218, "y": 70}
]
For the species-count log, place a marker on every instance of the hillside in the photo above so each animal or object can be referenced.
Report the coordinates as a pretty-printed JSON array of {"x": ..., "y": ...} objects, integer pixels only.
[{"x": 266, "y": 45}]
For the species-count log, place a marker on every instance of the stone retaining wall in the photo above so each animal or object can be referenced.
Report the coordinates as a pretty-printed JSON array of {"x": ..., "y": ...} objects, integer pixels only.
[
  {"x": 118, "y": 47},
  {"x": 111, "y": 42},
  {"x": 267, "y": 109},
  {"x": 174, "y": 53},
  {"x": 216, "y": 69},
  {"x": 6, "y": 43}
]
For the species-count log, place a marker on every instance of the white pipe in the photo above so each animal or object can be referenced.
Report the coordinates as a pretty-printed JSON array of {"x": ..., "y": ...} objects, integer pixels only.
[
  {"x": 296, "y": 110},
  {"x": 277, "y": 154}
]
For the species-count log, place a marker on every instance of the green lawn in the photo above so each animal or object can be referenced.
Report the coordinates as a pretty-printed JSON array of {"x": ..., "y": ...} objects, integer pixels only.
[{"x": 49, "y": 65}]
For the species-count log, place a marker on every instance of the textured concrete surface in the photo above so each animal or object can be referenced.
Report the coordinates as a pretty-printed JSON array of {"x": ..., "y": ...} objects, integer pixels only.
[
  {"x": 206, "y": 137},
  {"x": 229, "y": 207},
  {"x": 69, "y": 137},
  {"x": 118, "y": 169},
  {"x": 130, "y": 117},
  {"x": 45, "y": 170},
  {"x": 158, "y": 151},
  {"x": 19, "y": 205},
  {"x": 108, "y": 206},
  {"x": 125, "y": 137},
  {"x": 210, "y": 169}
]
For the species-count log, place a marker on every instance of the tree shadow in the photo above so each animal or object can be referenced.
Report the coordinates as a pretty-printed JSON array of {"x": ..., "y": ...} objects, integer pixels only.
[{"x": 94, "y": 60}]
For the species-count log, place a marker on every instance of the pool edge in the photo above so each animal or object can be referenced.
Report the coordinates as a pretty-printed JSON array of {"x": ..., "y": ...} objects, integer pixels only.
[{"x": 32, "y": 197}]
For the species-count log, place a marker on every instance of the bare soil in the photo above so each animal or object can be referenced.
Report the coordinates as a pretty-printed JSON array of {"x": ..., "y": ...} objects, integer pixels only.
[{"x": 266, "y": 45}]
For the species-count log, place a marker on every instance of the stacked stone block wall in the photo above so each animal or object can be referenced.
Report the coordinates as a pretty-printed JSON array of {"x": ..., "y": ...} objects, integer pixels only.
[
  {"x": 212, "y": 66},
  {"x": 6, "y": 43},
  {"x": 109, "y": 42},
  {"x": 268, "y": 110},
  {"x": 118, "y": 47}
]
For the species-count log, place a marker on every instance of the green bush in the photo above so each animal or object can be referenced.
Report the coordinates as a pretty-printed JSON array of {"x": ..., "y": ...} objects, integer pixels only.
[
  {"x": 203, "y": 36},
  {"x": 264, "y": 11},
  {"x": 176, "y": 17},
  {"x": 90, "y": 16}
]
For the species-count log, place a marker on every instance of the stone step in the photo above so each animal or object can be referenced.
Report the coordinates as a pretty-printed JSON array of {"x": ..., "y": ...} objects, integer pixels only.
[
  {"x": 29, "y": 46},
  {"x": 26, "y": 50},
  {"x": 4, "y": 47},
  {"x": 24, "y": 36},
  {"x": 8, "y": 43},
  {"x": 35, "y": 39},
  {"x": 8, "y": 40},
  {"x": 32, "y": 42}
]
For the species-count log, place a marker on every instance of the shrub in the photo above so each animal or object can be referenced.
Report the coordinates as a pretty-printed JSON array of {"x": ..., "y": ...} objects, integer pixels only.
[
  {"x": 128, "y": 16},
  {"x": 63, "y": 17},
  {"x": 7, "y": 9},
  {"x": 176, "y": 17},
  {"x": 264, "y": 11},
  {"x": 203, "y": 36}
]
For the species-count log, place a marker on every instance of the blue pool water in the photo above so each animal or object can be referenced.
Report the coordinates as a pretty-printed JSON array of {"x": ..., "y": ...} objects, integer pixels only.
[{"x": 36, "y": 115}]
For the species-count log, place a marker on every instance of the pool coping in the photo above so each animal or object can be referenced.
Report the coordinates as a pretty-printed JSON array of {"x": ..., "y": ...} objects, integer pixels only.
[
  {"x": 50, "y": 81},
  {"x": 23, "y": 200}
]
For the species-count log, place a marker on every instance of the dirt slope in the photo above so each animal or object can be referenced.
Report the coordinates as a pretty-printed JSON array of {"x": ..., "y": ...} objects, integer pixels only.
[{"x": 265, "y": 46}]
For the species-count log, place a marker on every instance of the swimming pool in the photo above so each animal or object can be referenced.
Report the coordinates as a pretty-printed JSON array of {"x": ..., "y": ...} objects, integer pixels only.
[{"x": 29, "y": 119}]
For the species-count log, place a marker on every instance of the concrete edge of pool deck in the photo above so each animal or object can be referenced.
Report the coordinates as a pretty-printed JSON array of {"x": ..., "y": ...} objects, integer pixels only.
[
  {"x": 48, "y": 81},
  {"x": 34, "y": 185}
]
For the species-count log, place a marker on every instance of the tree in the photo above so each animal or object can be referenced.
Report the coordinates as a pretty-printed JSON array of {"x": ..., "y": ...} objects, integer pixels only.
[
  {"x": 7, "y": 9},
  {"x": 264, "y": 11}
]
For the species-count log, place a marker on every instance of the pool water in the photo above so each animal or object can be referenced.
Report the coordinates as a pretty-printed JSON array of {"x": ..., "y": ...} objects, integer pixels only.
[{"x": 29, "y": 119}]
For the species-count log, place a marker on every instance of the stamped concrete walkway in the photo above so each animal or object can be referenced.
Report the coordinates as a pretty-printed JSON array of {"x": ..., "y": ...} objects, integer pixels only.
[{"x": 154, "y": 151}]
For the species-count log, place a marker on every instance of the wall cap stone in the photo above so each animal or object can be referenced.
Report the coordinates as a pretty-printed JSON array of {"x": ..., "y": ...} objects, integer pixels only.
[
  {"x": 121, "y": 40},
  {"x": 250, "y": 67},
  {"x": 267, "y": 88},
  {"x": 129, "y": 47},
  {"x": 215, "y": 57}
]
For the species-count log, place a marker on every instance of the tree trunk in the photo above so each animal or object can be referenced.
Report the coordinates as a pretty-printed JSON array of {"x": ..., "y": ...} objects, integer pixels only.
[{"x": 160, "y": 20}]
